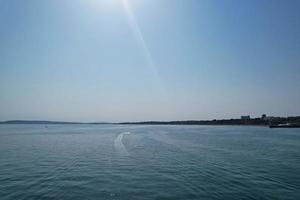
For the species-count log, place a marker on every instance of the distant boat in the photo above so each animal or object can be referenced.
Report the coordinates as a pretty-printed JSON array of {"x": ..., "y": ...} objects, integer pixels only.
[{"x": 287, "y": 125}]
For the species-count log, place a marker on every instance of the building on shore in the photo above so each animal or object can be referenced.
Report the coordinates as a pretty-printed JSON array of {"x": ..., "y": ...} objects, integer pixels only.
[{"x": 246, "y": 117}]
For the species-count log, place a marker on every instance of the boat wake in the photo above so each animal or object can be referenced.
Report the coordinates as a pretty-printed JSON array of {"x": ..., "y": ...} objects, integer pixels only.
[{"x": 119, "y": 146}]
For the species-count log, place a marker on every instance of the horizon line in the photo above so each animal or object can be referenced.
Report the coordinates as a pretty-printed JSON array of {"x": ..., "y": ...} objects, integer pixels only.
[{"x": 134, "y": 121}]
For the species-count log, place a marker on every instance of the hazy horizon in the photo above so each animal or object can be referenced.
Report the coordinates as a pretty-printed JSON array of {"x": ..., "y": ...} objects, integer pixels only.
[
  {"x": 118, "y": 60},
  {"x": 136, "y": 121}
]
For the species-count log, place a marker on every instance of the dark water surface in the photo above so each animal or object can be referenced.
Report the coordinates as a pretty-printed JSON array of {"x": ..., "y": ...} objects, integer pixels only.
[{"x": 148, "y": 162}]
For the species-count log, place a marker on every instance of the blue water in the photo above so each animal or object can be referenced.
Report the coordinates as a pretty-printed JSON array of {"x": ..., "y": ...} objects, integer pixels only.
[{"x": 148, "y": 162}]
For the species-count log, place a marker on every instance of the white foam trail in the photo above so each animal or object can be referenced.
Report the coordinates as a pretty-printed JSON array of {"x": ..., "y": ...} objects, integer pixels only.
[{"x": 119, "y": 146}]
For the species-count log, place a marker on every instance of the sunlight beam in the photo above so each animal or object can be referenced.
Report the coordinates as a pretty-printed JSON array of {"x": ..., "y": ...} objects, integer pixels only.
[{"x": 139, "y": 37}]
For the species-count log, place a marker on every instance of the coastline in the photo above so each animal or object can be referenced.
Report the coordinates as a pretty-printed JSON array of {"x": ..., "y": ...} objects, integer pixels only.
[{"x": 275, "y": 122}]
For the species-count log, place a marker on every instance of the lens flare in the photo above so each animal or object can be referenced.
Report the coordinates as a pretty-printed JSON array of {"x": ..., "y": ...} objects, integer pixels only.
[{"x": 140, "y": 39}]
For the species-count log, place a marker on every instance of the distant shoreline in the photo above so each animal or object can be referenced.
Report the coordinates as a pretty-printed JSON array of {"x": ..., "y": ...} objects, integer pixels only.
[
  {"x": 24, "y": 122},
  {"x": 275, "y": 121}
]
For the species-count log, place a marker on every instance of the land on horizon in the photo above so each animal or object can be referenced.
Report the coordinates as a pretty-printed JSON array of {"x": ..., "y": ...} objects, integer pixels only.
[{"x": 244, "y": 120}]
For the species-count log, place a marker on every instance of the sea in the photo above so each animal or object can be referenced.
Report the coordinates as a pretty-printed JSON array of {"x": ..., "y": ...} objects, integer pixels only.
[{"x": 145, "y": 162}]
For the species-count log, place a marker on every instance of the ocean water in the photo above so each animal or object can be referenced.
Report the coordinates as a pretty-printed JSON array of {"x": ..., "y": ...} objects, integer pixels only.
[{"x": 72, "y": 162}]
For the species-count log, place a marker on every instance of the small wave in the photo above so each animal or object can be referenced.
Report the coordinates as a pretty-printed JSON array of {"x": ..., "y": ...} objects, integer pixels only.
[{"x": 119, "y": 146}]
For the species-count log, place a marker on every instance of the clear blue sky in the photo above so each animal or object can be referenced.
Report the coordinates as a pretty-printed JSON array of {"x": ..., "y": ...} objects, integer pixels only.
[{"x": 89, "y": 60}]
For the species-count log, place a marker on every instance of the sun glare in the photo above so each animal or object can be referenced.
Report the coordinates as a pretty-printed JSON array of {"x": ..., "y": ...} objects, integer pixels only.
[
  {"x": 107, "y": 4},
  {"x": 125, "y": 3}
]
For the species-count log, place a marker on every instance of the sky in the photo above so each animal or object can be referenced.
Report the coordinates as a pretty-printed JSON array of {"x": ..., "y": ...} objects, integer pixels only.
[{"x": 138, "y": 60}]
